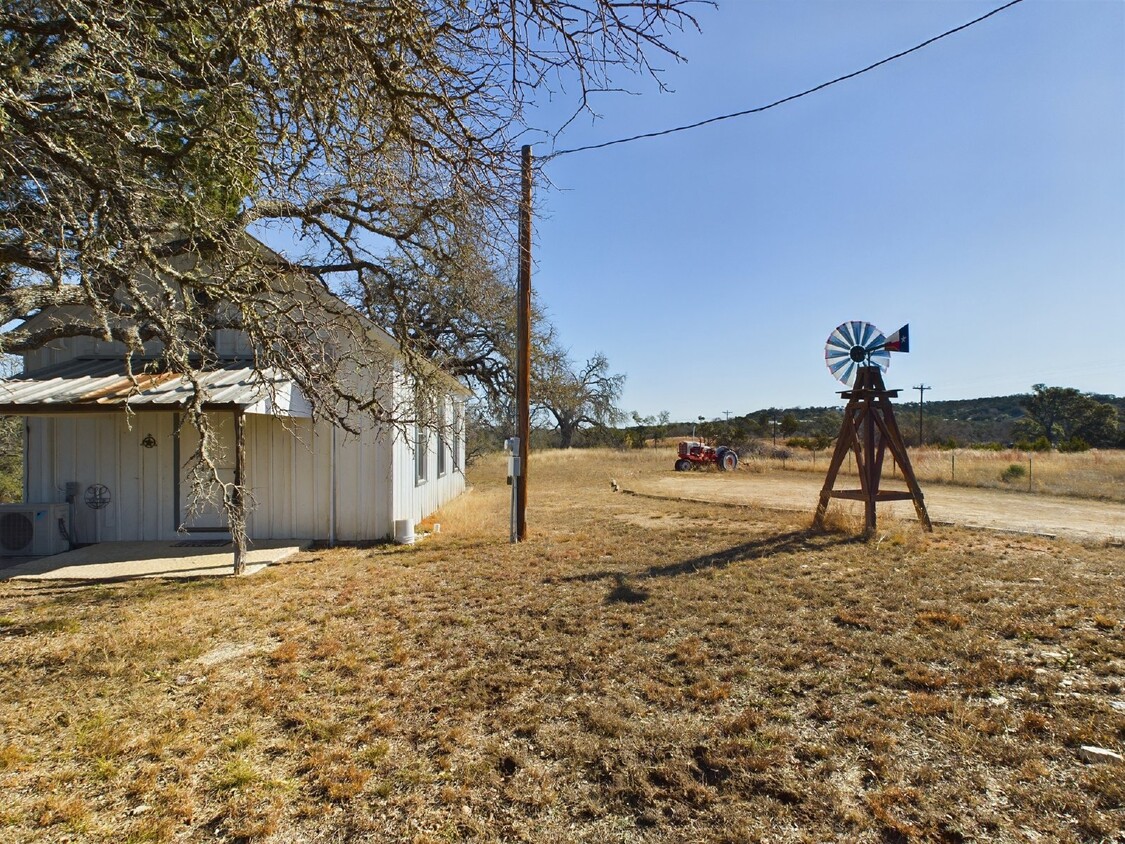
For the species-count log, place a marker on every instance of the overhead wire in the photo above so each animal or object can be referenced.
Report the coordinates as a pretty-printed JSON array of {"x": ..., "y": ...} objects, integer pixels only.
[{"x": 784, "y": 100}]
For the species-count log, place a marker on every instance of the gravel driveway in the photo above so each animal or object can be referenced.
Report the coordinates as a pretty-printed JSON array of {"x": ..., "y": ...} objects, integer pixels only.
[{"x": 1072, "y": 518}]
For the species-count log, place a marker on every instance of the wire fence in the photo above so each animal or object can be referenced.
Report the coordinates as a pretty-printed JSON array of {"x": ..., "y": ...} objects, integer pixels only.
[{"x": 1095, "y": 474}]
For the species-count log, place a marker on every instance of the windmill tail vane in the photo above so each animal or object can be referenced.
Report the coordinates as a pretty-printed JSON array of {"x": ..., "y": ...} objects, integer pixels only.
[{"x": 899, "y": 341}]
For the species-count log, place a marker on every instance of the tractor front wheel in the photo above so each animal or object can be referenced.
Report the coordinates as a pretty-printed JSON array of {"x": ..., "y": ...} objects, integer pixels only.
[{"x": 683, "y": 465}]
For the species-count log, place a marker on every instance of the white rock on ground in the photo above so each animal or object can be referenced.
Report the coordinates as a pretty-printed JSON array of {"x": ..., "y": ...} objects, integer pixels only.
[{"x": 1089, "y": 753}]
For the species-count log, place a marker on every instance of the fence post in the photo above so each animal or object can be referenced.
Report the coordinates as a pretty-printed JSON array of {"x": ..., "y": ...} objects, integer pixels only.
[{"x": 952, "y": 466}]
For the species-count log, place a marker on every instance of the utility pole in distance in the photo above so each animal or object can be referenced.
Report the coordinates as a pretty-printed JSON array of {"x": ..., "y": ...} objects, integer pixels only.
[{"x": 921, "y": 388}]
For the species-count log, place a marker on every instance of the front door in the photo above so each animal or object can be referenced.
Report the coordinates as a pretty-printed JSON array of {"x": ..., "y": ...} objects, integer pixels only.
[
  {"x": 143, "y": 499},
  {"x": 201, "y": 505}
]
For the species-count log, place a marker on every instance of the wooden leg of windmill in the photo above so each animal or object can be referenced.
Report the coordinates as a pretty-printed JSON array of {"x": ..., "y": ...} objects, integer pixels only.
[
  {"x": 898, "y": 446},
  {"x": 871, "y": 468},
  {"x": 858, "y": 420},
  {"x": 844, "y": 443}
]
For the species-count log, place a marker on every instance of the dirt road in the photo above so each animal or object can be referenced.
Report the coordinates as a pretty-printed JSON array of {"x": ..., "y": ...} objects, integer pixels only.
[{"x": 994, "y": 509}]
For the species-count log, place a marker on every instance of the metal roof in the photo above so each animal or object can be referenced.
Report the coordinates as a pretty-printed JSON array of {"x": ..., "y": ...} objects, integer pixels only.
[{"x": 101, "y": 384}]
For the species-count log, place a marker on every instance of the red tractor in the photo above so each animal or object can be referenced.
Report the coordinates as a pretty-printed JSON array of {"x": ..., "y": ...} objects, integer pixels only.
[{"x": 693, "y": 455}]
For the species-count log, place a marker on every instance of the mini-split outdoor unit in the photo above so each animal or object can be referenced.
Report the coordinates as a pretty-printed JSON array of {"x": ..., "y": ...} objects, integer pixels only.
[{"x": 34, "y": 530}]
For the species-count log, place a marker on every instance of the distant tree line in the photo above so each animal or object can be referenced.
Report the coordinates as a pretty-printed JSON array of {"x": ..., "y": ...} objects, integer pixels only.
[{"x": 1061, "y": 418}]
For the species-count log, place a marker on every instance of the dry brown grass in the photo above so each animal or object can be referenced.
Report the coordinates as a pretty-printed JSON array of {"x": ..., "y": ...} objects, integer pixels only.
[
  {"x": 639, "y": 670},
  {"x": 1098, "y": 474}
]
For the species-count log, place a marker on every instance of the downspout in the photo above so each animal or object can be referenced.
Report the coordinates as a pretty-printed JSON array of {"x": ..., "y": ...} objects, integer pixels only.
[
  {"x": 238, "y": 531},
  {"x": 177, "y": 521},
  {"x": 332, "y": 493},
  {"x": 27, "y": 458}
]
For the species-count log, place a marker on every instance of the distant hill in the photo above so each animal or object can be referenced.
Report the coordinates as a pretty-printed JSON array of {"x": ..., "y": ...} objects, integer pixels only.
[
  {"x": 980, "y": 420},
  {"x": 958, "y": 421},
  {"x": 968, "y": 420}
]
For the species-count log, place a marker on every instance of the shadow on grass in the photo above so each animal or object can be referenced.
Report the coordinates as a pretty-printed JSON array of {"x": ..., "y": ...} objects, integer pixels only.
[
  {"x": 623, "y": 593},
  {"x": 784, "y": 543},
  {"x": 112, "y": 590}
]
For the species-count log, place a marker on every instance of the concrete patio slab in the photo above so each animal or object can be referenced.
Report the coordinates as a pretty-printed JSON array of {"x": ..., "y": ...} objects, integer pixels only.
[{"x": 126, "y": 560}]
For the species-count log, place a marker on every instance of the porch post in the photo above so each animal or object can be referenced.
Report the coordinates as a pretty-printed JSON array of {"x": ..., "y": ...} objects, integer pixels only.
[
  {"x": 332, "y": 491},
  {"x": 238, "y": 501}
]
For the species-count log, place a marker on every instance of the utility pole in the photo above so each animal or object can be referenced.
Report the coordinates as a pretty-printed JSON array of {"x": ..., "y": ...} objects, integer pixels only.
[
  {"x": 523, "y": 343},
  {"x": 921, "y": 388},
  {"x": 726, "y": 413}
]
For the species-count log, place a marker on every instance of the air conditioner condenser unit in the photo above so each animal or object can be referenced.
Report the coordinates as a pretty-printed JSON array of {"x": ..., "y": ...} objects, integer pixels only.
[{"x": 34, "y": 530}]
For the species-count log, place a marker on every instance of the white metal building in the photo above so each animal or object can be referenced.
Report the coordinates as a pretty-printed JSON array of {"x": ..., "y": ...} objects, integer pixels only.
[{"x": 109, "y": 445}]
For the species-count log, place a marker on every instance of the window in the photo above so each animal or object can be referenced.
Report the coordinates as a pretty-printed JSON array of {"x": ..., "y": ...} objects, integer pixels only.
[
  {"x": 455, "y": 434},
  {"x": 442, "y": 449},
  {"x": 421, "y": 447}
]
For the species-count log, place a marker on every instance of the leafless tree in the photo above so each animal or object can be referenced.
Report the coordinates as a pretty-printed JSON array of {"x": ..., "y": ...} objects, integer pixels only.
[
  {"x": 576, "y": 397},
  {"x": 373, "y": 136}
]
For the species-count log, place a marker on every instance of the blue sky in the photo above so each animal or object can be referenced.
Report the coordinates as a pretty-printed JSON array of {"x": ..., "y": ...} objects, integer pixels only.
[{"x": 975, "y": 189}]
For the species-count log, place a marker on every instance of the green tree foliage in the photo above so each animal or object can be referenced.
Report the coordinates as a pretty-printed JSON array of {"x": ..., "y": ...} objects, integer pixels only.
[
  {"x": 639, "y": 433},
  {"x": 379, "y": 137},
  {"x": 1069, "y": 419},
  {"x": 11, "y": 459},
  {"x": 649, "y": 427},
  {"x": 818, "y": 442},
  {"x": 140, "y": 141}
]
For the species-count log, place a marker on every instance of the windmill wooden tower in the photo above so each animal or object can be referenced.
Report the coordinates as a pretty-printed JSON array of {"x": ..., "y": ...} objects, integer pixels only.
[{"x": 856, "y": 354}]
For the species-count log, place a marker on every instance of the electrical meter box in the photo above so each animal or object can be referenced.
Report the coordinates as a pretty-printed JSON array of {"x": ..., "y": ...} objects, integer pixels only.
[{"x": 512, "y": 446}]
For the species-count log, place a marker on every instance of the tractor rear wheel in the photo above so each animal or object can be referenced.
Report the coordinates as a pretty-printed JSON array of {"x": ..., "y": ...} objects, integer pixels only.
[
  {"x": 728, "y": 460},
  {"x": 683, "y": 465}
]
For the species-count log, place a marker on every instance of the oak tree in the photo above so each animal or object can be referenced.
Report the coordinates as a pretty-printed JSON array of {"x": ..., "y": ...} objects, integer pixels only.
[
  {"x": 140, "y": 141},
  {"x": 1069, "y": 418},
  {"x": 576, "y": 397}
]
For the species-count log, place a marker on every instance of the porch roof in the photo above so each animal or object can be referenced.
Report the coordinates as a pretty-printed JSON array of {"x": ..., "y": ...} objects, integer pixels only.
[{"x": 100, "y": 384}]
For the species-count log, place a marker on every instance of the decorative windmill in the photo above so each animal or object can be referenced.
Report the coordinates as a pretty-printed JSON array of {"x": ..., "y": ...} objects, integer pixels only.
[{"x": 857, "y": 353}]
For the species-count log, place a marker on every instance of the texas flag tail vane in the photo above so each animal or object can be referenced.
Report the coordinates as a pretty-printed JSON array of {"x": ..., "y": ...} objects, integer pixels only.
[{"x": 899, "y": 341}]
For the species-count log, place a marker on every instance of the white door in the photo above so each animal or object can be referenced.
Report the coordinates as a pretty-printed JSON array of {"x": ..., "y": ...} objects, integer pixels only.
[
  {"x": 206, "y": 514},
  {"x": 145, "y": 510}
]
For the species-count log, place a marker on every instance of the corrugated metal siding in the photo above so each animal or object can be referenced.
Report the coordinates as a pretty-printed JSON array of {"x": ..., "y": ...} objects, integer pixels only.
[
  {"x": 288, "y": 469},
  {"x": 363, "y": 481},
  {"x": 59, "y": 352},
  {"x": 415, "y": 500},
  {"x": 102, "y": 449}
]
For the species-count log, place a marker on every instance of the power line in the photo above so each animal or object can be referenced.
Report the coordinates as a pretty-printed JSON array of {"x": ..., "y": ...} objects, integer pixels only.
[{"x": 788, "y": 99}]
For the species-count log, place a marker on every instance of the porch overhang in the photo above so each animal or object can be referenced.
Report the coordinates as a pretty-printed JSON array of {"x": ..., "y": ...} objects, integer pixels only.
[{"x": 100, "y": 385}]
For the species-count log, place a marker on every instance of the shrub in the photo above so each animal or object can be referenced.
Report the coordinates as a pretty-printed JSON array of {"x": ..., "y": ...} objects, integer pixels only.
[
  {"x": 818, "y": 442},
  {"x": 1013, "y": 472},
  {"x": 1074, "y": 444}
]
